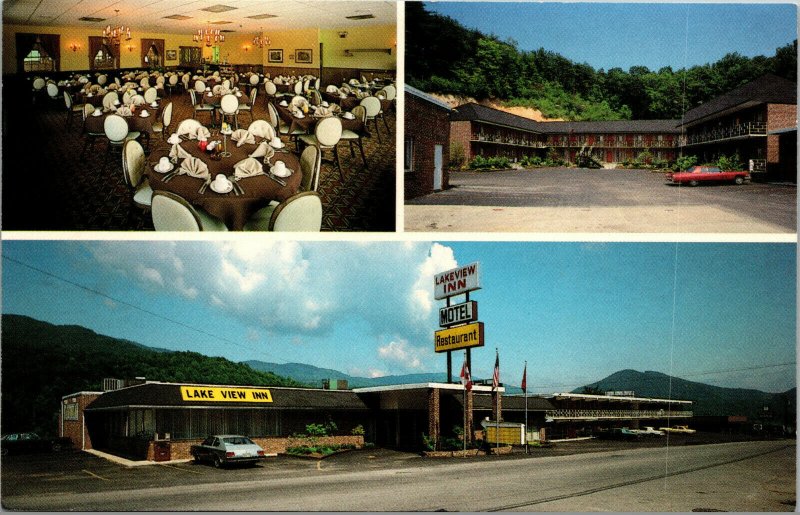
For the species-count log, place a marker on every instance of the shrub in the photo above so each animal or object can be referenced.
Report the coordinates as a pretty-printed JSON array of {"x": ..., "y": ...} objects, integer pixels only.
[
  {"x": 457, "y": 156},
  {"x": 733, "y": 162},
  {"x": 428, "y": 443},
  {"x": 491, "y": 163},
  {"x": 369, "y": 445},
  {"x": 684, "y": 163},
  {"x": 358, "y": 430},
  {"x": 316, "y": 430}
]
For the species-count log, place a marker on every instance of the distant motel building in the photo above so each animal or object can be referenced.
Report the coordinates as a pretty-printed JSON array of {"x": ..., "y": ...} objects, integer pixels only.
[{"x": 758, "y": 120}]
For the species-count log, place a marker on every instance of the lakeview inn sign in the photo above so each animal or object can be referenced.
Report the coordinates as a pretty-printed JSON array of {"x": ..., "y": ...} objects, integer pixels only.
[{"x": 462, "y": 330}]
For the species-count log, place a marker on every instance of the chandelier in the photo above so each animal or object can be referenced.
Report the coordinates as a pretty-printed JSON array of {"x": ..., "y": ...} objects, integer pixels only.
[
  {"x": 261, "y": 40},
  {"x": 113, "y": 35},
  {"x": 209, "y": 36}
]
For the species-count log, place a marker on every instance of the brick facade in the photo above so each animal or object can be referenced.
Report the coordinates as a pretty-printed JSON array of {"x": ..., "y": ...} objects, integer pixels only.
[
  {"x": 781, "y": 116},
  {"x": 434, "y": 419},
  {"x": 426, "y": 125},
  {"x": 75, "y": 429},
  {"x": 460, "y": 134}
]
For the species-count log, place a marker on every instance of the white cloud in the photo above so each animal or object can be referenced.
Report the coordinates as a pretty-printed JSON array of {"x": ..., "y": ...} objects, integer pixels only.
[
  {"x": 289, "y": 287},
  {"x": 110, "y": 303},
  {"x": 253, "y": 335},
  {"x": 403, "y": 354}
]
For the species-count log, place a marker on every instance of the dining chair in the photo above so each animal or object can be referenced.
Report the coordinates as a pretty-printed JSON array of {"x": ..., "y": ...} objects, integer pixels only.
[
  {"x": 127, "y": 97},
  {"x": 150, "y": 95},
  {"x": 201, "y": 108},
  {"x": 229, "y": 107},
  {"x": 373, "y": 107},
  {"x": 360, "y": 112},
  {"x": 172, "y": 212},
  {"x": 172, "y": 83},
  {"x": 270, "y": 91},
  {"x": 90, "y": 137},
  {"x": 226, "y": 84},
  {"x": 299, "y": 213},
  {"x": 117, "y": 132},
  {"x": 200, "y": 86},
  {"x": 316, "y": 98},
  {"x": 248, "y": 108},
  {"x": 254, "y": 79},
  {"x": 72, "y": 108},
  {"x": 138, "y": 100},
  {"x": 52, "y": 90},
  {"x": 133, "y": 172},
  {"x": 217, "y": 89},
  {"x": 185, "y": 80},
  {"x": 144, "y": 83},
  {"x": 102, "y": 79},
  {"x": 166, "y": 119},
  {"x": 117, "y": 82},
  {"x": 275, "y": 119},
  {"x": 327, "y": 134},
  {"x": 310, "y": 163},
  {"x": 298, "y": 87}
]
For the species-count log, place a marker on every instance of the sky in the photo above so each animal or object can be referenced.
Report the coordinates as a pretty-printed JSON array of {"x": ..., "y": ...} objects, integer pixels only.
[
  {"x": 608, "y": 35},
  {"x": 721, "y": 314}
]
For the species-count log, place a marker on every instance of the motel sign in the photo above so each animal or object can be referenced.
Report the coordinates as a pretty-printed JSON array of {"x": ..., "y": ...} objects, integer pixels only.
[{"x": 456, "y": 281}]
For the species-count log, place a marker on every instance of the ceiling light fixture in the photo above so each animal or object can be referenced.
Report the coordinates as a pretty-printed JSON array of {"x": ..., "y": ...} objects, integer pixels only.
[
  {"x": 261, "y": 40},
  {"x": 114, "y": 35},
  {"x": 208, "y": 36}
]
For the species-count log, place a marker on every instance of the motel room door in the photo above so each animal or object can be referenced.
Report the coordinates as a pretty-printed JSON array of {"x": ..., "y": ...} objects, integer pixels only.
[{"x": 437, "y": 167}]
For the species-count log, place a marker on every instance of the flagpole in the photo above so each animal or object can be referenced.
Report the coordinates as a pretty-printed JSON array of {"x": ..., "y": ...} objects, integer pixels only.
[
  {"x": 525, "y": 388},
  {"x": 464, "y": 432},
  {"x": 497, "y": 402}
]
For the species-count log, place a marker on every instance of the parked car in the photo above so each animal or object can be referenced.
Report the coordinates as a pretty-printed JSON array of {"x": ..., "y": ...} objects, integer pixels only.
[
  {"x": 697, "y": 174},
  {"x": 26, "y": 443},
  {"x": 678, "y": 429},
  {"x": 648, "y": 431},
  {"x": 617, "y": 433},
  {"x": 227, "y": 449}
]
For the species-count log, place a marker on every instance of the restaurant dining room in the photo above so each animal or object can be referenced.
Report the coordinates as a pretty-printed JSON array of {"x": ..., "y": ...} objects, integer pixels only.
[{"x": 187, "y": 115}]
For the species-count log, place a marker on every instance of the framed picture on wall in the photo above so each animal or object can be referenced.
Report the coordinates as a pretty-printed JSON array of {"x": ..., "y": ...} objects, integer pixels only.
[
  {"x": 172, "y": 55},
  {"x": 275, "y": 55},
  {"x": 302, "y": 56}
]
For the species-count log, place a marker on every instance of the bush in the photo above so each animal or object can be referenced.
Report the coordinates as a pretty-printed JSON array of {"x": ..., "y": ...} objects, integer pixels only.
[
  {"x": 316, "y": 430},
  {"x": 457, "y": 156},
  {"x": 358, "y": 430},
  {"x": 733, "y": 162},
  {"x": 428, "y": 443},
  {"x": 491, "y": 163},
  {"x": 684, "y": 163},
  {"x": 369, "y": 445},
  {"x": 531, "y": 161}
]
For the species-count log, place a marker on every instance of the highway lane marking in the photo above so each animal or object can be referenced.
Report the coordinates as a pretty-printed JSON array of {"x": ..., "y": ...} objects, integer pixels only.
[
  {"x": 179, "y": 468},
  {"x": 95, "y": 475}
]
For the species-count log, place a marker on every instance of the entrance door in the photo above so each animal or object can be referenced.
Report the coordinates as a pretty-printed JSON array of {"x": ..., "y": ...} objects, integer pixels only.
[{"x": 437, "y": 167}]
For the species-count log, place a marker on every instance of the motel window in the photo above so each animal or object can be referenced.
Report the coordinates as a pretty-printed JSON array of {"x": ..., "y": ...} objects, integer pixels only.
[
  {"x": 71, "y": 411},
  {"x": 408, "y": 155}
]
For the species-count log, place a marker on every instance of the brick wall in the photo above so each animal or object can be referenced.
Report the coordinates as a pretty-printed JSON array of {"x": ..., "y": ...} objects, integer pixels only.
[
  {"x": 180, "y": 449},
  {"x": 781, "y": 116},
  {"x": 74, "y": 429},
  {"x": 434, "y": 421},
  {"x": 426, "y": 125},
  {"x": 461, "y": 134}
]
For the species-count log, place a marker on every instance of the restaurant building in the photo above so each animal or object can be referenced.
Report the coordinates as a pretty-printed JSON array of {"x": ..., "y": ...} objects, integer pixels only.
[
  {"x": 160, "y": 421},
  {"x": 426, "y": 150}
]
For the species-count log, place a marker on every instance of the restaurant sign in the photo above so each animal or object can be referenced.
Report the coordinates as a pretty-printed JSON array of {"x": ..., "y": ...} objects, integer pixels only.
[
  {"x": 461, "y": 337},
  {"x": 225, "y": 394},
  {"x": 456, "y": 281},
  {"x": 458, "y": 314}
]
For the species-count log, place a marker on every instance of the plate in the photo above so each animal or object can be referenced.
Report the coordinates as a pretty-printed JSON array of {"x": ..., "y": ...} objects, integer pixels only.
[
  {"x": 279, "y": 145},
  {"x": 144, "y": 114},
  {"x": 97, "y": 113},
  {"x": 226, "y": 189},
  {"x": 171, "y": 167},
  {"x": 286, "y": 174}
]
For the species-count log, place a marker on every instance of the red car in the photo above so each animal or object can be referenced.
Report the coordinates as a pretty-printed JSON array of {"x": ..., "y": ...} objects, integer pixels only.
[{"x": 697, "y": 174}]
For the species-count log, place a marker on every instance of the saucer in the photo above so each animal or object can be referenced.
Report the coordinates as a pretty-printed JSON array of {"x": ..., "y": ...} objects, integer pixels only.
[
  {"x": 280, "y": 144},
  {"x": 287, "y": 172},
  {"x": 226, "y": 189},
  {"x": 97, "y": 113},
  {"x": 157, "y": 169}
]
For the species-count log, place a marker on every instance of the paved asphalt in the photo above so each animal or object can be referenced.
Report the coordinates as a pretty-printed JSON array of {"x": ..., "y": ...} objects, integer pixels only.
[
  {"x": 740, "y": 476},
  {"x": 583, "y": 200}
]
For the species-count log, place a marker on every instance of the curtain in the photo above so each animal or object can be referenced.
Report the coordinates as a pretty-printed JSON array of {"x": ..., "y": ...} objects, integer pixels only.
[
  {"x": 95, "y": 44},
  {"x": 159, "y": 44},
  {"x": 51, "y": 44}
]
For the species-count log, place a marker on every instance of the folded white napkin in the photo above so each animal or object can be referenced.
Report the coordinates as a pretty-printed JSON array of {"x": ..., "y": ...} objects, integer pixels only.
[
  {"x": 241, "y": 136},
  {"x": 247, "y": 167},
  {"x": 263, "y": 150},
  {"x": 193, "y": 167},
  {"x": 322, "y": 112},
  {"x": 124, "y": 111},
  {"x": 264, "y": 130},
  {"x": 177, "y": 152},
  {"x": 202, "y": 133}
]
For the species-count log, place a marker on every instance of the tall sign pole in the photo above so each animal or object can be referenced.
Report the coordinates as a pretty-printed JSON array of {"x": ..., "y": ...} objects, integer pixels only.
[
  {"x": 525, "y": 389},
  {"x": 460, "y": 326}
]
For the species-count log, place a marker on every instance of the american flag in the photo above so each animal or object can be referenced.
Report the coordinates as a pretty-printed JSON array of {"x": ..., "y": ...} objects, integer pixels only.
[
  {"x": 524, "y": 384},
  {"x": 496, "y": 375}
]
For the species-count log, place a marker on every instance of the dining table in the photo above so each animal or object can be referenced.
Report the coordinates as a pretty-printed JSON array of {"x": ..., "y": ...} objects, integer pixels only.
[
  {"x": 309, "y": 121},
  {"x": 135, "y": 121},
  {"x": 234, "y": 210}
]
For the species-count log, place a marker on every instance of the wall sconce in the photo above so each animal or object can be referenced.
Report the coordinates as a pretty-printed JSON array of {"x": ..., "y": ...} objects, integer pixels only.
[
  {"x": 130, "y": 48},
  {"x": 247, "y": 48},
  {"x": 343, "y": 34},
  {"x": 74, "y": 47}
]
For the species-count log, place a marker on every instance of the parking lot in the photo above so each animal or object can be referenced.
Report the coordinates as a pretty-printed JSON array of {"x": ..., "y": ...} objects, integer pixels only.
[{"x": 583, "y": 200}]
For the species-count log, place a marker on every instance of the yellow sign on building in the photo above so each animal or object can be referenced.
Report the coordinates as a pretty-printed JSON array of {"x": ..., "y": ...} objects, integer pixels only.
[
  {"x": 461, "y": 337},
  {"x": 225, "y": 394}
]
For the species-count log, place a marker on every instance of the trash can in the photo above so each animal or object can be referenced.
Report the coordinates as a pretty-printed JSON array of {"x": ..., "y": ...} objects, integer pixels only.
[{"x": 162, "y": 451}]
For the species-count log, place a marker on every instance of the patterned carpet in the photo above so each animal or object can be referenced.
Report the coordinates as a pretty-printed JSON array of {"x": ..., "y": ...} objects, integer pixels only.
[{"x": 47, "y": 186}]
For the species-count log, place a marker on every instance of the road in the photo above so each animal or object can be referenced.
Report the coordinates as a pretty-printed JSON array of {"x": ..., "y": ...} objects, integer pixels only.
[
  {"x": 582, "y": 200},
  {"x": 747, "y": 476}
]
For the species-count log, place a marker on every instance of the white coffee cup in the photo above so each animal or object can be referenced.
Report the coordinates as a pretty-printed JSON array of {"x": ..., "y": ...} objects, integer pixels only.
[
  {"x": 279, "y": 168},
  {"x": 325, "y": 103},
  {"x": 174, "y": 138},
  {"x": 221, "y": 182},
  {"x": 164, "y": 164},
  {"x": 276, "y": 142},
  {"x": 154, "y": 104}
]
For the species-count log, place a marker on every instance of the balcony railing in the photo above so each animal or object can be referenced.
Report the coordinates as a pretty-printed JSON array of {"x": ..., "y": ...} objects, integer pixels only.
[
  {"x": 615, "y": 144},
  {"x": 603, "y": 414},
  {"x": 734, "y": 131},
  {"x": 491, "y": 138}
]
